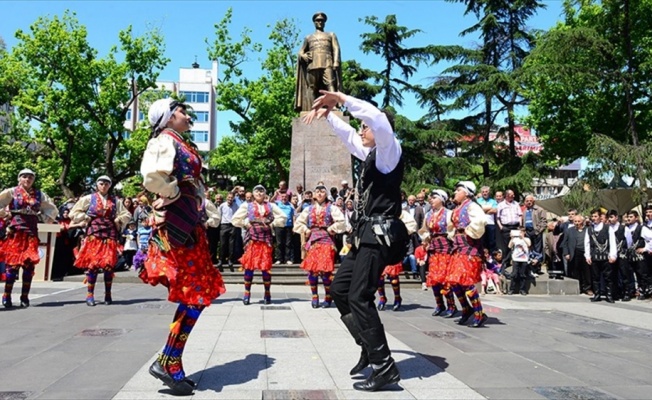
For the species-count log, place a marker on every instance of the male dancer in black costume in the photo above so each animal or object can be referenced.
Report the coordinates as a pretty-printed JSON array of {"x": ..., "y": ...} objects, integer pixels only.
[{"x": 379, "y": 237}]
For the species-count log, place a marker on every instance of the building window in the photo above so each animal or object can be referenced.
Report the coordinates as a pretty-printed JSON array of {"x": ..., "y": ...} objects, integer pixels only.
[
  {"x": 201, "y": 116},
  {"x": 195, "y": 97},
  {"x": 141, "y": 116},
  {"x": 199, "y": 136}
]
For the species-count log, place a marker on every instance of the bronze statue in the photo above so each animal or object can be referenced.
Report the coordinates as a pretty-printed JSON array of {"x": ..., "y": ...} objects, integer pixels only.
[{"x": 318, "y": 67}]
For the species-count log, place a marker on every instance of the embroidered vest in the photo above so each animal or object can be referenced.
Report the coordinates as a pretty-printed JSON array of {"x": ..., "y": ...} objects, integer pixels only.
[
  {"x": 599, "y": 242},
  {"x": 25, "y": 207},
  {"x": 256, "y": 231},
  {"x": 102, "y": 224},
  {"x": 318, "y": 222}
]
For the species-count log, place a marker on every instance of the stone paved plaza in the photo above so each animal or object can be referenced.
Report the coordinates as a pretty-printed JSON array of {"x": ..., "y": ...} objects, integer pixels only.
[{"x": 534, "y": 347}]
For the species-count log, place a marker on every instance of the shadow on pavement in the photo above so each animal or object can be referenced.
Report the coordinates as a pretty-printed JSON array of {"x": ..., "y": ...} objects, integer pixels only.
[
  {"x": 232, "y": 373},
  {"x": 100, "y": 302},
  {"x": 413, "y": 367}
]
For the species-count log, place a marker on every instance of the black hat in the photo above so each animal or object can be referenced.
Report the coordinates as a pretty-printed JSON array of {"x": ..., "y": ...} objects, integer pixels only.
[{"x": 320, "y": 14}]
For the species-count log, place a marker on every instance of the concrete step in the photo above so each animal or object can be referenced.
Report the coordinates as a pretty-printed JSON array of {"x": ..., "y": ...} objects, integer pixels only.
[
  {"x": 281, "y": 274},
  {"x": 543, "y": 284}
]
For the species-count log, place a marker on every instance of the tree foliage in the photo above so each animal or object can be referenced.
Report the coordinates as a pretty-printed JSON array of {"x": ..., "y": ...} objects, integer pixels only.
[
  {"x": 387, "y": 41},
  {"x": 75, "y": 101},
  {"x": 589, "y": 81},
  {"x": 259, "y": 149},
  {"x": 484, "y": 81}
]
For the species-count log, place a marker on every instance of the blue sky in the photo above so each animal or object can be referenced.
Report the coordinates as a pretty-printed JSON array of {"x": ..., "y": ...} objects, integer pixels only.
[{"x": 187, "y": 24}]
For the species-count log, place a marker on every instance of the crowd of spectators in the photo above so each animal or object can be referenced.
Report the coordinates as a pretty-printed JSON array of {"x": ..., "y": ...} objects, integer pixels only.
[{"x": 561, "y": 245}]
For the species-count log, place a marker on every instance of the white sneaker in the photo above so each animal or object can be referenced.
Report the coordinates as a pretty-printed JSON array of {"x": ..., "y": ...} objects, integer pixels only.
[
  {"x": 277, "y": 263},
  {"x": 289, "y": 262},
  {"x": 424, "y": 286}
]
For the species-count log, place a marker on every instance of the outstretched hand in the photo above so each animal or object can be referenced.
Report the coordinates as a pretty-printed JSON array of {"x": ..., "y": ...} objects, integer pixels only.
[{"x": 323, "y": 105}]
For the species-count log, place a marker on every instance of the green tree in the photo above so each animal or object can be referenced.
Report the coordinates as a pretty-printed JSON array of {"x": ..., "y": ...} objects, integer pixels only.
[
  {"x": 356, "y": 81},
  {"x": 485, "y": 80},
  {"x": 259, "y": 149},
  {"x": 79, "y": 101},
  {"x": 588, "y": 80},
  {"x": 387, "y": 41}
]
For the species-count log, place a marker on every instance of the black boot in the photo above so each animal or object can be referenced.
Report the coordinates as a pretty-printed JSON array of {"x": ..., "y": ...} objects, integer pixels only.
[
  {"x": 609, "y": 297},
  {"x": 385, "y": 371},
  {"x": 596, "y": 297},
  {"x": 354, "y": 330},
  {"x": 388, "y": 374}
]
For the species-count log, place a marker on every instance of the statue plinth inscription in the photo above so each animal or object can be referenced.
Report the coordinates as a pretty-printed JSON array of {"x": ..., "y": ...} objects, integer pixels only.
[{"x": 317, "y": 154}]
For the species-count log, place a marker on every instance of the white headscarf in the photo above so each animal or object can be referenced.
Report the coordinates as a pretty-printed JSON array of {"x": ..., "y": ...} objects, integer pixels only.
[{"x": 160, "y": 113}]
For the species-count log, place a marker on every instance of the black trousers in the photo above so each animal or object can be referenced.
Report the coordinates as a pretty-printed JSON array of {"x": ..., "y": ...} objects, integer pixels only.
[
  {"x": 227, "y": 239},
  {"x": 602, "y": 272},
  {"x": 520, "y": 276},
  {"x": 284, "y": 250},
  {"x": 504, "y": 234},
  {"x": 355, "y": 284},
  {"x": 579, "y": 269},
  {"x": 623, "y": 278},
  {"x": 642, "y": 271},
  {"x": 213, "y": 235}
]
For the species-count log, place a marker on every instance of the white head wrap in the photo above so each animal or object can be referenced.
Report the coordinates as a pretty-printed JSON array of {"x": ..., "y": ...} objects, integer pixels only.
[
  {"x": 441, "y": 194},
  {"x": 26, "y": 171},
  {"x": 160, "y": 113},
  {"x": 468, "y": 186}
]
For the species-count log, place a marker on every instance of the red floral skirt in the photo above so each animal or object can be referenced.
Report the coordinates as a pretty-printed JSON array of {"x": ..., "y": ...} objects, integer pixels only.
[
  {"x": 258, "y": 255},
  {"x": 187, "y": 272},
  {"x": 393, "y": 270},
  {"x": 438, "y": 268},
  {"x": 98, "y": 254},
  {"x": 320, "y": 258},
  {"x": 464, "y": 270},
  {"x": 20, "y": 248}
]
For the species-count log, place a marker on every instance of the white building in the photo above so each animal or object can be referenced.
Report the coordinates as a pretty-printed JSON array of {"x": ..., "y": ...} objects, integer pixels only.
[{"x": 197, "y": 85}]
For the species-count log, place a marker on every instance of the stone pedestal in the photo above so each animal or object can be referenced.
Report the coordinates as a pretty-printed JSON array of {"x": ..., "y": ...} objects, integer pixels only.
[
  {"x": 317, "y": 154},
  {"x": 46, "y": 236}
]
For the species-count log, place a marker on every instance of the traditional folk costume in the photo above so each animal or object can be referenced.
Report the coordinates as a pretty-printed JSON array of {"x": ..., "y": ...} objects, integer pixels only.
[
  {"x": 104, "y": 216},
  {"x": 258, "y": 219},
  {"x": 178, "y": 256},
  {"x": 20, "y": 247},
  {"x": 468, "y": 221},
  {"x": 322, "y": 221},
  {"x": 379, "y": 238},
  {"x": 437, "y": 226},
  {"x": 392, "y": 272}
]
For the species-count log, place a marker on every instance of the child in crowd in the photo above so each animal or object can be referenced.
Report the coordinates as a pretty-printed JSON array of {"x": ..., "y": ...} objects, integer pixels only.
[
  {"x": 131, "y": 245},
  {"x": 520, "y": 246},
  {"x": 491, "y": 272},
  {"x": 421, "y": 257},
  {"x": 144, "y": 233}
]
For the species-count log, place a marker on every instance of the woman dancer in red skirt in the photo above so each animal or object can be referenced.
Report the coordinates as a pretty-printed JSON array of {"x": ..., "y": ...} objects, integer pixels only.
[
  {"x": 258, "y": 218},
  {"x": 104, "y": 216},
  {"x": 319, "y": 222},
  {"x": 178, "y": 256},
  {"x": 20, "y": 248},
  {"x": 437, "y": 226}
]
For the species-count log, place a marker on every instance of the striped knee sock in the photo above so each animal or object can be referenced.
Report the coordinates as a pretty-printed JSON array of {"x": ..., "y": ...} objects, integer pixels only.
[
  {"x": 108, "y": 283},
  {"x": 267, "y": 282},
  {"x": 439, "y": 299},
  {"x": 248, "y": 278},
  {"x": 474, "y": 297},
  {"x": 10, "y": 279},
  {"x": 312, "y": 278},
  {"x": 171, "y": 356},
  {"x": 327, "y": 278},
  {"x": 459, "y": 293},
  {"x": 396, "y": 286},
  {"x": 91, "y": 278},
  {"x": 381, "y": 290},
  {"x": 28, "y": 273}
]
